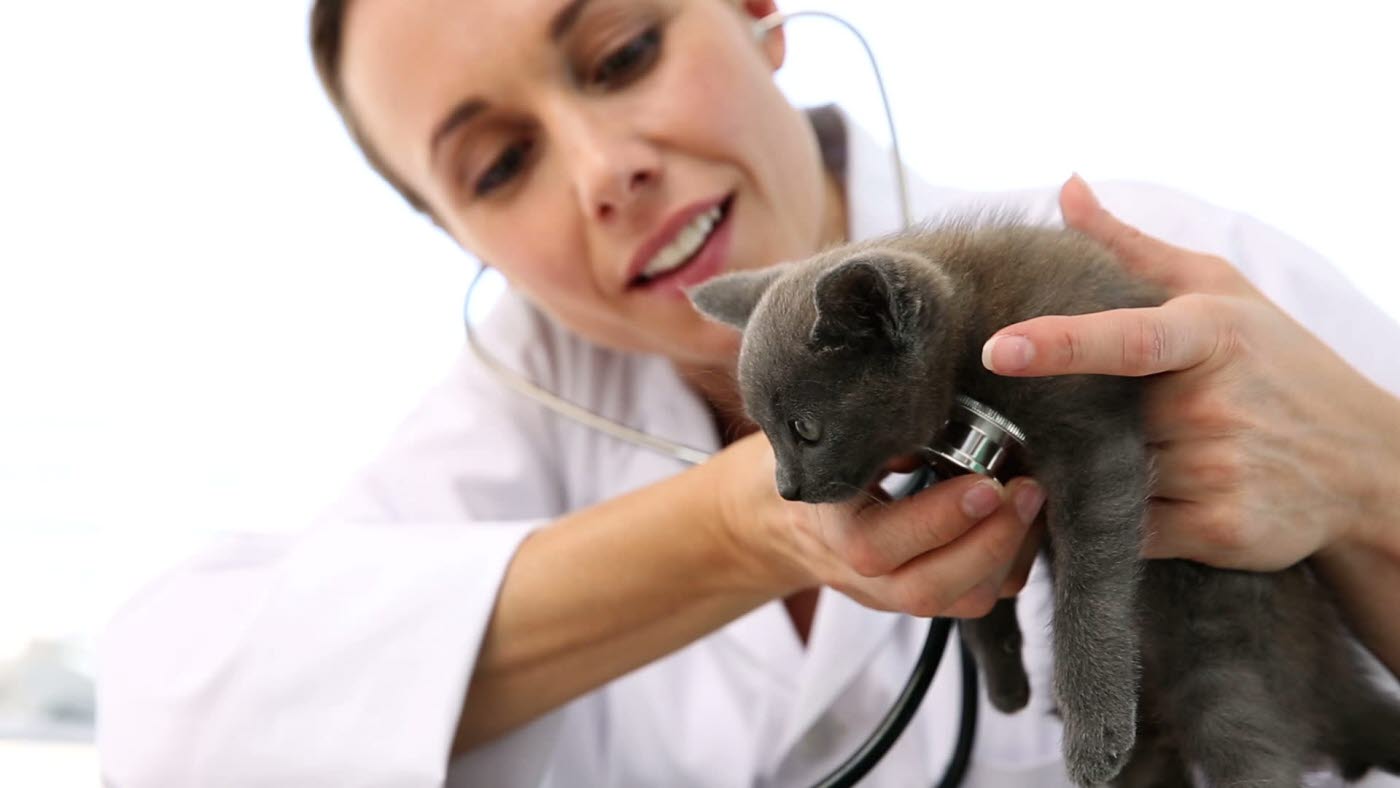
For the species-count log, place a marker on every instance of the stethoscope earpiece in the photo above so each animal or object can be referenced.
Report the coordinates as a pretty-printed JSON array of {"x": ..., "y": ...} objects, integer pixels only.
[{"x": 762, "y": 27}]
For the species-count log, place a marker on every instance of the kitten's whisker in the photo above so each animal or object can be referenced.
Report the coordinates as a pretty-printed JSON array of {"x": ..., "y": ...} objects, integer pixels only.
[{"x": 866, "y": 493}]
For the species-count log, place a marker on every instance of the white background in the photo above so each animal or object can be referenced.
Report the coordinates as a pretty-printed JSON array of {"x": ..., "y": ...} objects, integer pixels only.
[{"x": 212, "y": 313}]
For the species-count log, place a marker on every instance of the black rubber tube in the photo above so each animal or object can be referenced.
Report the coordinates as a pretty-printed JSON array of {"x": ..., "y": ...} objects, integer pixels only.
[
  {"x": 967, "y": 729},
  {"x": 854, "y": 768}
]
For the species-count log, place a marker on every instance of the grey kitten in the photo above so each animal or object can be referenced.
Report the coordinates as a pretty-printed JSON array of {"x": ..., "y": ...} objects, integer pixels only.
[{"x": 852, "y": 357}]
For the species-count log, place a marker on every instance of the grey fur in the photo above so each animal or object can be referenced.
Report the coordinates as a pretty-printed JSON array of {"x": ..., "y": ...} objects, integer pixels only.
[
  {"x": 735, "y": 301},
  {"x": 1246, "y": 678}
]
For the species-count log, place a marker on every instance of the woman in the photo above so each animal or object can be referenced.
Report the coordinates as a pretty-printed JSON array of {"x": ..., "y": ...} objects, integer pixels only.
[{"x": 506, "y": 598}]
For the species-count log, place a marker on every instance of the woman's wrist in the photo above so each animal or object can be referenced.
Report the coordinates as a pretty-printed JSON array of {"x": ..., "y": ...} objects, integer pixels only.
[
  {"x": 763, "y": 553},
  {"x": 1377, "y": 527},
  {"x": 1362, "y": 565}
]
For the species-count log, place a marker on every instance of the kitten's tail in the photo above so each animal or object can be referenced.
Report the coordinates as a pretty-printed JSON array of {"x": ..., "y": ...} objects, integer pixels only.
[{"x": 1371, "y": 736}]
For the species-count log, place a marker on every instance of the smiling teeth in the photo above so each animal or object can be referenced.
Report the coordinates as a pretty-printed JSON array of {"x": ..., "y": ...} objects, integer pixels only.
[{"x": 686, "y": 243}]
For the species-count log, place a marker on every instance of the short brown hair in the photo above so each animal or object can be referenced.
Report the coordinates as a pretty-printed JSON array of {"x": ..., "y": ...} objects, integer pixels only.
[{"x": 327, "y": 36}]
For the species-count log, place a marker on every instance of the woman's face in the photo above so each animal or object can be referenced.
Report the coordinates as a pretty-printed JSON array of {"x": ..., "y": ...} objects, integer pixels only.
[{"x": 603, "y": 154}]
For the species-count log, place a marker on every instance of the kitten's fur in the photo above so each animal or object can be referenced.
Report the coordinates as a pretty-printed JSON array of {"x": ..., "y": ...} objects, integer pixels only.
[{"x": 1249, "y": 678}]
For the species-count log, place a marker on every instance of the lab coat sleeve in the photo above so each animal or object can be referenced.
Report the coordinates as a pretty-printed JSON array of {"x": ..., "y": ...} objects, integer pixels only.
[
  {"x": 1308, "y": 287},
  {"x": 340, "y": 656},
  {"x": 1298, "y": 279}
]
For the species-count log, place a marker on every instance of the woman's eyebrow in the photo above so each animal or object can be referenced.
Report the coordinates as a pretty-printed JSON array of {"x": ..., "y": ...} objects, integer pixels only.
[
  {"x": 463, "y": 112},
  {"x": 565, "y": 18},
  {"x": 459, "y": 116}
]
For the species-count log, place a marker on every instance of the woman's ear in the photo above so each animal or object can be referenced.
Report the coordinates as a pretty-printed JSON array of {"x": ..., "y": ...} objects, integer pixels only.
[{"x": 773, "y": 41}]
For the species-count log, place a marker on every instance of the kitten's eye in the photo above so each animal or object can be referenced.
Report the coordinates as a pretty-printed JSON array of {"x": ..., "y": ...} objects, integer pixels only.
[
  {"x": 628, "y": 61},
  {"x": 808, "y": 430}
]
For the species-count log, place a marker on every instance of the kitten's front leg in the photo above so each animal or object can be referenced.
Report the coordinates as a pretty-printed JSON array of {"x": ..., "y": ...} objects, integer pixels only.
[{"x": 1097, "y": 500}]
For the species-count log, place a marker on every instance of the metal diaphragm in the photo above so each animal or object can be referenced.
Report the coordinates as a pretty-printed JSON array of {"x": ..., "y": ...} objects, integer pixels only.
[{"x": 977, "y": 439}]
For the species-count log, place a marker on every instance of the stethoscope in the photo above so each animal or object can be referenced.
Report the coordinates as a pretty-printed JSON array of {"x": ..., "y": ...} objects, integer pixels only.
[{"x": 976, "y": 439}]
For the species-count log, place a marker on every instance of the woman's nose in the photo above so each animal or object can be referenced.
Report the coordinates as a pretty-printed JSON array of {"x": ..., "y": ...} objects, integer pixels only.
[
  {"x": 613, "y": 167},
  {"x": 615, "y": 191}
]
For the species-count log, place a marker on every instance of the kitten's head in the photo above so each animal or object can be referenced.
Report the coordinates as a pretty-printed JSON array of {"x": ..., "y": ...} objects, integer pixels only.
[{"x": 840, "y": 365}]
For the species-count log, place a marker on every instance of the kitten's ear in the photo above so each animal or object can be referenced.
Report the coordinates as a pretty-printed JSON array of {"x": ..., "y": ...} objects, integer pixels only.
[
  {"x": 862, "y": 303},
  {"x": 732, "y": 297}
]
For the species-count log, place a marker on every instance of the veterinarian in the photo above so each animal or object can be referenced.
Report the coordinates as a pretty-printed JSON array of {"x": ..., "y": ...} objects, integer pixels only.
[{"x": 507, "y": 598}]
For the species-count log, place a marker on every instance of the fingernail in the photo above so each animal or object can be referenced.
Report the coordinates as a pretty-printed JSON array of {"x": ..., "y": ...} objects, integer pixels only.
[
  {"x": 1093, "y": 198},
  {"x": 1009, "y": 353},
  {"x": 1029, "y": 498},
  {"x": 982, "y": 499}
]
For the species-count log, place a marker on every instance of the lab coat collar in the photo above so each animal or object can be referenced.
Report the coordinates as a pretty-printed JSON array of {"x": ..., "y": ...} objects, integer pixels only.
[
  {"x": 872, "y": 193},
  {"x": 845, "y": 636}
]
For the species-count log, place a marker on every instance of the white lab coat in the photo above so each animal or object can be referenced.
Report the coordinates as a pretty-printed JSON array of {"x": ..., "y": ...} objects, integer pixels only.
[{"x": 339, "y": 657}]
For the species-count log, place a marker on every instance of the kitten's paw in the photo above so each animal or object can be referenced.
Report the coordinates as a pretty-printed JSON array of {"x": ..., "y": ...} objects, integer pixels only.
[
  {"x": 1009, "y": 693},
  {"x": 1098, "y": 743}
]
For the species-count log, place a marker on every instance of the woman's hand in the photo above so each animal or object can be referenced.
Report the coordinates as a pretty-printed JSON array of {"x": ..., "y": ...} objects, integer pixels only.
[
  {"x": 1268, "y": 446},
  {"x": 950, "y": 550}
]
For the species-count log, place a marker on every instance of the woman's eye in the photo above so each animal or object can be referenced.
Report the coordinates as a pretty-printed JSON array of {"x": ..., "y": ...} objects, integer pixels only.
[
  {"x": 630, "y": 60},
  {"x": 807, "y": 430},
  {"x": 503, "y": 168}
]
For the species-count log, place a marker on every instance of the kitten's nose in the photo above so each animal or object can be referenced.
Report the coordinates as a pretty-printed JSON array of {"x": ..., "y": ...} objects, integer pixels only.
[{"x": 790, "y": 490}]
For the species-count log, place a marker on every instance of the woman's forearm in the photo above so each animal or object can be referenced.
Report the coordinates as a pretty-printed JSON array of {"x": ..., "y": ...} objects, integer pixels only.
[
  {"x": 1366, "y": 582},
  {"x": 1363, "y": 569},
  {"x": 601, "y": 592}
]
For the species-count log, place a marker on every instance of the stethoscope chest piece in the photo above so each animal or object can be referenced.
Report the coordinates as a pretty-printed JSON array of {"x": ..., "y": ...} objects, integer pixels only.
[{"x": 977, "y": 439}]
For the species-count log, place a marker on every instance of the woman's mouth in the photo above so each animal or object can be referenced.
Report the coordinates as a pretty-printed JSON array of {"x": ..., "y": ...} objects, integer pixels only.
[{"x": 696, "y": 253}]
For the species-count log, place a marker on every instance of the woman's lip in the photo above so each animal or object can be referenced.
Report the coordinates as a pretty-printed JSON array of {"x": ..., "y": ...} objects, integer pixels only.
[
  {"x": 709, "y": 261},
  {"x": 669, "y": 230}
]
